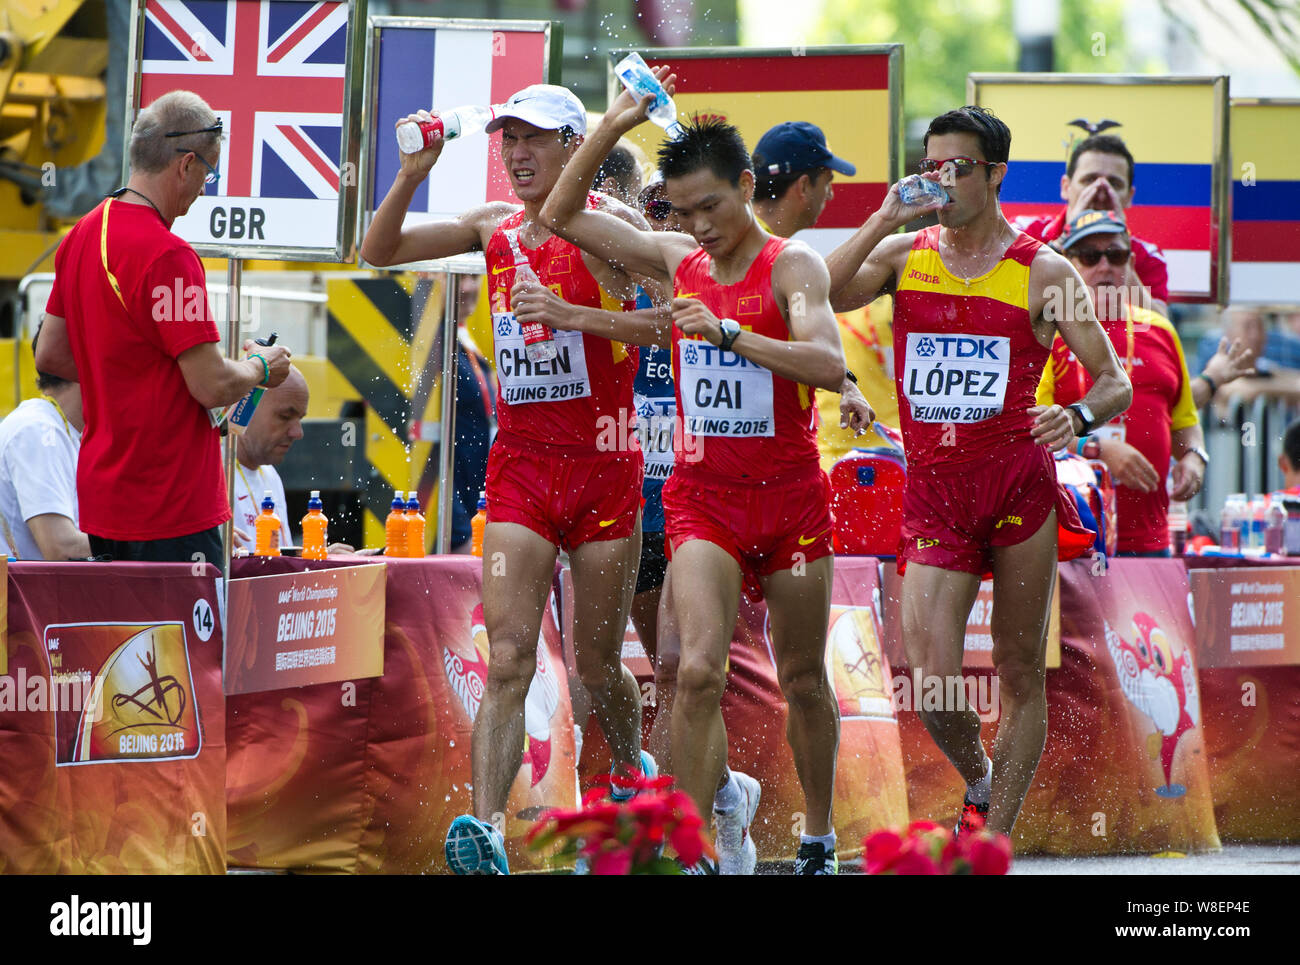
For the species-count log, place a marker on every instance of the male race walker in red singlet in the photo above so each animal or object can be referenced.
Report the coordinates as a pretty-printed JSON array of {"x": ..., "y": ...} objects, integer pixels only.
[
  {"x": 971, "y": 337},
  {"x": 549, "y": 484},
  {"x": 753, "y": 334}
]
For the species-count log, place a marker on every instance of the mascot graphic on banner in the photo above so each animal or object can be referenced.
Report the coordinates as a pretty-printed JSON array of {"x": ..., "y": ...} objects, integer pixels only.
[
  {"x": 468, "y": 679},
  {"x": 1160, "y": 685}
]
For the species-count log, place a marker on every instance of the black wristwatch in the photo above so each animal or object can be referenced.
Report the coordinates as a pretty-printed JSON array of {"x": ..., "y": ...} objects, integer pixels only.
[
  {"x": 848, "y": 374},
  {"x": 730, "y": 330},
  {"x": 1085, "y": 417}
]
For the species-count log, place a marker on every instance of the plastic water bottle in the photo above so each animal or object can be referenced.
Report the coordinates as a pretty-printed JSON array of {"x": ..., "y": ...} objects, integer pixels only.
[
  {"x": 1234, "y": 508},
  {"x": 415, "y": 136},
  {"x": 267, "y": 529},
  {"x": 1275, "y": 528},
  {"x": 637, "y": 77},
  {"x": 395, "y": 527},
  {"x": 477, "y": 525},
  {"x": 539, "y": 343},
  {"x": 1178, "y": 526},
  {"x": 414, "y": 528},
  {"x": 315, "y": 527},
  {"x": 1258, "y": 510}
]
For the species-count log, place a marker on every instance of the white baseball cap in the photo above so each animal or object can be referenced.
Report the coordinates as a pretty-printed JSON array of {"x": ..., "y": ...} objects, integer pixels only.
[{"x": 543, "y": 105}]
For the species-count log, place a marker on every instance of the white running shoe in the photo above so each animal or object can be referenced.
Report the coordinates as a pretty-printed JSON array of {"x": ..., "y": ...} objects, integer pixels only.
[{"x": 736, "y": 852}]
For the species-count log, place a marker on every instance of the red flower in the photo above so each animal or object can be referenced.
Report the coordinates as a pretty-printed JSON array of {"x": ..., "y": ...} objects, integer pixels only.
[{"x": 990, "y": 855}]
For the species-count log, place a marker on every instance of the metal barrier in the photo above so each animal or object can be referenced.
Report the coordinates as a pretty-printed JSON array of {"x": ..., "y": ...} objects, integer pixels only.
[{"x": 1243, "y": 445}]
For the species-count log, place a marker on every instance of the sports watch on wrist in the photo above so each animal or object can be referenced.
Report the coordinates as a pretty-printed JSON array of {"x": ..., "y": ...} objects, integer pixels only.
[
  {"x": 1085, "y": 417},
  {"x": 730, "y": 329},
  {"x": 1200, "y": 451}
]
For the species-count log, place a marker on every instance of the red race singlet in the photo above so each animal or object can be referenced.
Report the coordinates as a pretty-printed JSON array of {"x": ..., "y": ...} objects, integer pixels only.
[
  {"x": 967, "y": 363},
  {"x": 739, "y": 420},
  {"x": 584, "y": 392}
]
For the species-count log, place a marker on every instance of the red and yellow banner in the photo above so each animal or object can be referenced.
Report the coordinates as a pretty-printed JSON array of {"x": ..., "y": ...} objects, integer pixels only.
[
  {"x": 852, "y": 93},
  {"x": 1247, "y": 616},
  {"x": 298, "y": 629},
  {"x": 1124, "y": 765},
  {"x": 112, "y": 721},
  {"x": 394, "y": 750}
]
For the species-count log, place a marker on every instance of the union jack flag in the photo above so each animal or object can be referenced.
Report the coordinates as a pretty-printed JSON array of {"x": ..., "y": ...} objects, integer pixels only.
[{"x": 273, "y": 72}]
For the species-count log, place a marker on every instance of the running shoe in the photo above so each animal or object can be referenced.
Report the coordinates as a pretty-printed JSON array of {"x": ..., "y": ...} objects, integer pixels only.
[
  {"x": 702, "y": 867},
  {"x": 814, "y": 859},
  {"x": 969, "y": 810},
  {"x": 475, "y": 848},
  {"x": 648, "y": 769},
  {"x": 736, "y": 852}
]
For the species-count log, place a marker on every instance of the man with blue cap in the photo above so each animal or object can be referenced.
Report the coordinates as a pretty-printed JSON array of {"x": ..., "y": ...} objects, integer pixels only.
[{"x": 793, "y": 170}]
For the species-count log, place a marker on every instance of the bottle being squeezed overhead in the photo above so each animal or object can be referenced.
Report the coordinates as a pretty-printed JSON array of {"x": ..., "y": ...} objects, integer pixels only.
[
  {"x": 395, "y": 527},
  {"x": 539, "y": 343},
  {"x": 637, "y": 77},
  {"x": 315, "y": 528},
  {"x": 267, "y": 529},
  {"x": 415, "y": 136}
]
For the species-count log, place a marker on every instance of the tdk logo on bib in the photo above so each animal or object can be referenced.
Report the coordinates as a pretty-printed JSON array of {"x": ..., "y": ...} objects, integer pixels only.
[
  {"x": 505, "y": 324},
  {"x": 955, "y": 378}
]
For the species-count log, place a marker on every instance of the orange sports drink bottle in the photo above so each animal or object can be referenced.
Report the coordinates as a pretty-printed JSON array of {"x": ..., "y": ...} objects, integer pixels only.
[
  {"x": 395, "y": 527},
  {"x": 267, "y": 528},
  {"x": 414, "y": 528},
  {"x": 478, "y": 524},
  {"x": 315, "y": 526}
]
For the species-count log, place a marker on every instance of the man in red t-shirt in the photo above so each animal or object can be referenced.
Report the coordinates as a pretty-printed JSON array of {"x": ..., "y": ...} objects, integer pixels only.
[
  {"x": 1162, "y": 420},
  {"x": 1099, "y": 176},
  {"x": 128, "y": 317}
]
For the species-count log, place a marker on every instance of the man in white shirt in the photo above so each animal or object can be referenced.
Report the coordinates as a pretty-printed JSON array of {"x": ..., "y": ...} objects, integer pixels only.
[
  {"x": 274, "y": 428},
  {"x": 39, "y": 442}
]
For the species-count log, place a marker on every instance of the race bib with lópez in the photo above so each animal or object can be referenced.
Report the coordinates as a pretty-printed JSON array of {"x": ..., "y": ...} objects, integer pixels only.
[
  {"x": 723, "y": 394},
  {"x": 563, "y": 377},
  {"x": 956, "y": 378}
]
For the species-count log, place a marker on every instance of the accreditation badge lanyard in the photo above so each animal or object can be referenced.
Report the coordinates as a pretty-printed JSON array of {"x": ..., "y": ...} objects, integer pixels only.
[{"x": 1115, "y": 428}]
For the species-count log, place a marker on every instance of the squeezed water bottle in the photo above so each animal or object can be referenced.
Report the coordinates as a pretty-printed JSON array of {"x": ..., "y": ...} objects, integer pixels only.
[
  {"x": 539, "y": 343},
  {"x": 415, "y": 136},
  {"x": 637, "y": 77},
  {"x": 1275, "y": 528}
]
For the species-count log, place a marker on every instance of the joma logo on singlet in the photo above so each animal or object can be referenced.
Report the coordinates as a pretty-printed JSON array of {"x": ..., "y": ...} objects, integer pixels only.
[{"x": 922, "y": 276}]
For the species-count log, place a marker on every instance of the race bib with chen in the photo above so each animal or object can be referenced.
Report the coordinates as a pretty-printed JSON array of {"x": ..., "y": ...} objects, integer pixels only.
[
  {"x": 655, "y": 420},
  {"x": 955, "y": 378},
  {"x": 563, "y": 377},
  {"x": 723, "y": 394}
]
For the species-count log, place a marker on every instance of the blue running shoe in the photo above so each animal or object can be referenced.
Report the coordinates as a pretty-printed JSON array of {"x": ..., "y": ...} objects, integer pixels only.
[
  {"x": 475, "y": 848},
  {"x": 648, "y": 768}
]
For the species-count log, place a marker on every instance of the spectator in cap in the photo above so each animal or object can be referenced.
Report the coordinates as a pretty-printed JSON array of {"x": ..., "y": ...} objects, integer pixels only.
[
  {"x": 1162, "y": 421},
  {"x": 793, "y": 170}
]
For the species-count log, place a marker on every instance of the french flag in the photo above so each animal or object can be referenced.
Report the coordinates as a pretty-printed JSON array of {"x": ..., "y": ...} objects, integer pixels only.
[{"x": 442, "y": 68}]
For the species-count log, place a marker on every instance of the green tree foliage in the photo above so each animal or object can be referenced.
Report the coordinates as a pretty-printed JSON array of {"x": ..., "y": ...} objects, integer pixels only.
[{"x": 944, "y": 40}]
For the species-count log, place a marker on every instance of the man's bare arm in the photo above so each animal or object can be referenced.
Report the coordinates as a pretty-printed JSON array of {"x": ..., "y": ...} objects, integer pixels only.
[
  {"x": 868, "y": 262},
  {"x": 58, "y": 538},
  {"x": 54, "y": 351}
]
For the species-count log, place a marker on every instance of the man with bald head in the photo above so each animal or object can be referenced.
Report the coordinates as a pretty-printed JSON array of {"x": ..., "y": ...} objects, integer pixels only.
[{"x": 276, "y": 425}]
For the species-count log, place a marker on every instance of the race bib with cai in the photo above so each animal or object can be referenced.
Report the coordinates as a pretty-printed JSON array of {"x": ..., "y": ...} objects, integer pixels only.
[
  {"x": 956, "y": 378},
  {"x": 522, "y": 381},
  {"x": 723, "y": 394}
]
